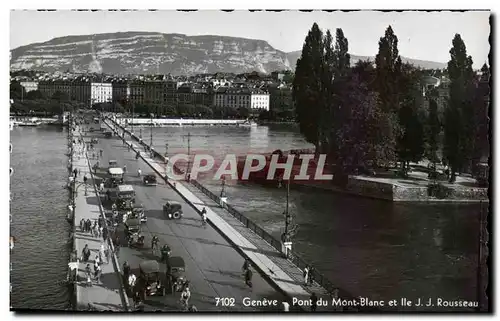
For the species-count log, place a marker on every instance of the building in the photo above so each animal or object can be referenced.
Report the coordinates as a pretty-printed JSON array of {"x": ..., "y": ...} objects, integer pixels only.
[
  {"x": 101, "y": 92},
  {"x": 259, "y": 99},
  {"x": 241, "y": 98},
  {"x": 203, "y": 94},
  {"x": 136, "y": 88},
  {"x": 154, "y": 92},
  {"x": 81, "y": 90},
  {"x": 170, "y": 92},
  {"x": 185, "y": 95},
  {"x": 281, "y": 100},
  {"x": 121, "y": 91},
  {"x": 29, "y": 85},
  {"x": 49, "y": 87},
  {"x": 442, "y": 91}
]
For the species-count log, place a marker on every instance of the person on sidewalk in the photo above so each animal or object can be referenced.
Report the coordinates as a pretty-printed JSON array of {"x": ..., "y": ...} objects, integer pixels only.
[
  {"x": 88, "y": 275},
  {"x": 96, "y": 229},
  {"x": 82, "y": 225},
  {"x": 126, "y": 270},
  {"x": 102, "y": 254},
  {"x": 97, "y": 270},
  {"x": 245, "y": 266},
  {"x": 185, "y": 296},
  {"x": 314, "y": 302},
  {"x": 86, "y": 253},
  {"x": 248, "y": 278},
  {"x": 305, "y": 274},
  {"x": 311, "y": 275},
  {"x": 105, "y": 234}
]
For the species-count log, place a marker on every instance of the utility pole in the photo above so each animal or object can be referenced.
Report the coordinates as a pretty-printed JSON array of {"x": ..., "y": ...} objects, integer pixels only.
[
  {"x": 189, "y": 154},
  {"x": 290, "y": 230},
  {"x": 151, "y": 143}
]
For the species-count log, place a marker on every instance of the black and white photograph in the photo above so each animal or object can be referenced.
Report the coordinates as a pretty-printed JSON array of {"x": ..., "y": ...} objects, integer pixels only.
[{"x": 242, "y": 161}]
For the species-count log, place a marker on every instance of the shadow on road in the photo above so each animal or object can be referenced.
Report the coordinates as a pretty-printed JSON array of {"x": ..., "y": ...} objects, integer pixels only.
[{"x": 109, "y": 281}]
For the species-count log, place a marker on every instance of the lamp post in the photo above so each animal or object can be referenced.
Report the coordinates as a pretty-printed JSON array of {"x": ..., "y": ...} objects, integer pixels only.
[
  {"x": 289, "y": 232},
  {"x": 223, "y": 197},
  {"x": 140, "y": 133}
]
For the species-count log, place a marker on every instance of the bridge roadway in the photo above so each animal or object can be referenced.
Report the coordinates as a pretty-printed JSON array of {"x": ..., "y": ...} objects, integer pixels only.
[{"x": 213, "y": 266}]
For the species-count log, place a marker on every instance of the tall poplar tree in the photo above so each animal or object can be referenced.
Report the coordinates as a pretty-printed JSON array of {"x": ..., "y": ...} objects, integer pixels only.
[
  {"x": 458, "y": 128},
  {"x": 307, "y": 86}
]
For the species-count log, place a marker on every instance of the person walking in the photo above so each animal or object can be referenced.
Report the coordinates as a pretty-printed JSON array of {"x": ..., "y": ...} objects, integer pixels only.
[
  {"x": 88, "y": 275},
  {"x": 97, "y": 269},
  {"x": 305, "y": 274},
  {"x": 185, "y": 296},
  {"x": 102, "y": 254},
  {"x": 311, "y": 275},
  {"x": 248, "y": 278},
  {"x": 126, "y": 270},
  {"x": 82, "y": 224},
  {"x": 105, "y": 234},
  {"x": 314, "y": 302},
  {"x": 85, "y": 253},
  {"x": 245, "y": 266},
  {"x": 96, "y": 229}
]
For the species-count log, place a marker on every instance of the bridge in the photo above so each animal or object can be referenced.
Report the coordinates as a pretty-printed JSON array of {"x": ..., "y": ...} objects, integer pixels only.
[{"x": 214, "y": 254}]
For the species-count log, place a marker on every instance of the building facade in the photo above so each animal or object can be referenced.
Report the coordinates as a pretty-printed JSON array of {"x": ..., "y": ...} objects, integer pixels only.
[
  {"x": 259, "y": 99},
  {"x": 101, "y": 92},
  {"x": 121, "y": 91},
  {"x": 29, "y": 85}
]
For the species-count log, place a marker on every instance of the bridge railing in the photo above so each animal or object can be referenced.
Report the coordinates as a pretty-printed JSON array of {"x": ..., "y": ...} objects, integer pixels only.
[{"x": 277, "y": 244}]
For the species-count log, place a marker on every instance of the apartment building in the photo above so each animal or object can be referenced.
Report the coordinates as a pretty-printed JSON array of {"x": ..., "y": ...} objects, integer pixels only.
[{"x": 101, "y": 92}]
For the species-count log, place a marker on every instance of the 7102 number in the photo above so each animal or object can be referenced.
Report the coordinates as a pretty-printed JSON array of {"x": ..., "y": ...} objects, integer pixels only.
[{"x": 225, "y": 302}]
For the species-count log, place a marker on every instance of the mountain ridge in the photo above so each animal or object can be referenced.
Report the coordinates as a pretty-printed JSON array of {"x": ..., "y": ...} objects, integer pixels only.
[{"x": 143, "y": 52}]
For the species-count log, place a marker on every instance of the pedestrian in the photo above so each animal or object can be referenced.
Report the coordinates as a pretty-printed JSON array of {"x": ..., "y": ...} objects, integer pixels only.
[
  {"x": 85, "y": 179},
  {"x": 75, "y": 172},
  {"x": 126, "y": 270},
  {"x": 311, "y": 275},
  {"x": 97, "y": 270},
  {"x": 105, "y": 234},
  {"x": 248, "y": 278},
  {"x": 185, "y": 296},
  {"x": 85, "y": 253},
  {"x": 102, "y": 254},
  {"x": 101, "y": 186},
  {"x": 305, "y": 274},
  {"x": 314, "y": 302},
  {"x": 100, "y": 231},
  {"x": 89, "y": 226},
  {"x": 82, "y": 223},
  {"x": 245, "y": 266},
  {"x": 88, "y": 275},
  {"x": 96, "y": 230}
]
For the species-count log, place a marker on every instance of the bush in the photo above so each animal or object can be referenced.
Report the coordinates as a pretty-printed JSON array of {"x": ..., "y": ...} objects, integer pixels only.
[{"x": 438, "y": 190}]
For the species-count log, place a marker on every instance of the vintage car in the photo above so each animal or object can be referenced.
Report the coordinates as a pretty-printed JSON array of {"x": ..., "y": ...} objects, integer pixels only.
[
  {"x": 113, "y": 163},
  {"x": 173, "y": 210},
  {"x": 132, "y": 226},
  {"x": 150, "y": 179},
  {"x": 176, "y": 269},
  {"x": 150, "y": 278},
  {"x": 116, "y": 174},
  {"x": 125, "y": 192},
  {"x": 137, "y": 212}
]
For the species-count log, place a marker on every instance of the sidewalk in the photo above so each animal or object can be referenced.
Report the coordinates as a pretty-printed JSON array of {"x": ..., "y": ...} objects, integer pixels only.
[
  {"x": 278, "y": 270},
  {"x": 103, "y": 295}
]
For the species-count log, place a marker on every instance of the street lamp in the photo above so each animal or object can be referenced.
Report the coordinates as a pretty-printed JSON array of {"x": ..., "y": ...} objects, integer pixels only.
[
  {"x": 286, "y": 237},
  {"x": 223, "y": 192}
]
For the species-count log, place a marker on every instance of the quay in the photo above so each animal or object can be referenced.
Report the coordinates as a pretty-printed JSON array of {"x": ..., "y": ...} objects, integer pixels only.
[
  {"x": 265, "y": 253},
  {"x": 185, "y": 122},
  {"x": 108, "y": 293}
]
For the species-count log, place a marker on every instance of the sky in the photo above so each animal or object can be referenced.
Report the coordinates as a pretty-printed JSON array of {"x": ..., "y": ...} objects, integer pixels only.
[{"x": 422, "y": 35}]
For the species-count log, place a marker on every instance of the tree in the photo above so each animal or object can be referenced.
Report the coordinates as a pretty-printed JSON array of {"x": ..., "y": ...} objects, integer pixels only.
[
  {"x": 306, "y": 88},
  {"x": 34, "y": 94},
  {"x": 481, "y": 117},
  {"x": 433, "y": 129},
  {"x": 458, "y": 128},
  {"x": 361, "y": 140},
  {"x": 387, "y": 84},
  {"x": 410, "y": 142},
  {"x": 336, "y": 79},
  {"x": 388, "y": 71},
  {"x": 17, "y": 91}
]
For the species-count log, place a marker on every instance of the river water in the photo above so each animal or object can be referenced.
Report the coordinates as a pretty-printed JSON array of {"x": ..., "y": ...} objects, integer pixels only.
[
  {"x": 371, "y": 248},
  {"x": 375, "y": 249},
  {"x": 38, "y": 207}
]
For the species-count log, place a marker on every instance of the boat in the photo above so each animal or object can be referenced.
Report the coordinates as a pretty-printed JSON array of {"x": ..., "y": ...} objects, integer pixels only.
[
  {"x": 248, "y": 123},
  {"x": 33, "y": 122}
]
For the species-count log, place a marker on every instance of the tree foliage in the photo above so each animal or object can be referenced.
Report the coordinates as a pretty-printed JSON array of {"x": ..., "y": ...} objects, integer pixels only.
[{"x": 458, "y": 128}]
